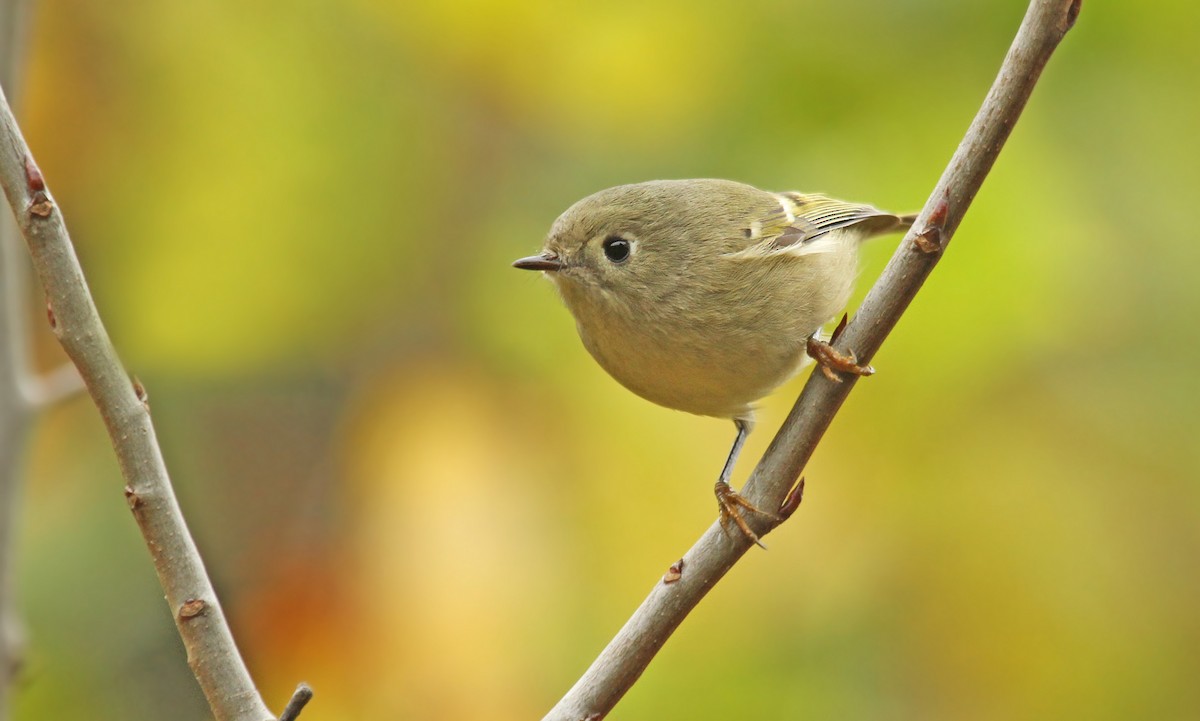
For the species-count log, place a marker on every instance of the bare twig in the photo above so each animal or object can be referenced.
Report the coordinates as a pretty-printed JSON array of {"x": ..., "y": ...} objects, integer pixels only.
[
  {"x": 14, "y": 429},
  {"x": 628, "y": 654},
  {"x": 15, "y": 413},
  {"x": 211, "y": 651},
  {"x": 16, "y": 416},
  {"x": 300, "y": 699}
]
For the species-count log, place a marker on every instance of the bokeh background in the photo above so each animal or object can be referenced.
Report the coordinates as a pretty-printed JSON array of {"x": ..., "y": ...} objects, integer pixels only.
[{"x": 416, "y": 491}]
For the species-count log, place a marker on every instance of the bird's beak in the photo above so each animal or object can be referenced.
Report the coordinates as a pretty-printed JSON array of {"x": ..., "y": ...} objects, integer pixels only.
[{"x": 545, "y": 261}]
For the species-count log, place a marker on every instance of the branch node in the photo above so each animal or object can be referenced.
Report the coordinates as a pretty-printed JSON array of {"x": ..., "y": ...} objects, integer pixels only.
[
  {"x": 841, "y": 326},
  {"x": 674, "y": 573},
  {"x": 1072, "y": 15},
  {"x": 142, "y": 394},
  {"x": 40, "y": 205},
  {"x": 792, "y": 501},
  {"x": 33, "y": 176},
  {"x": 133, "y": 499},
  {"x": 192, "y": 608},
  {"x": 51, "y": 317},
  {"x": 300, "y": 699},
  {"x": 931, "y": 239}
]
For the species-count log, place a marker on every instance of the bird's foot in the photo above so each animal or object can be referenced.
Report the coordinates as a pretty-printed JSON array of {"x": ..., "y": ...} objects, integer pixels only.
[
  {"x": 831, "y": 360},
  {"x": 732, "y": 504}
]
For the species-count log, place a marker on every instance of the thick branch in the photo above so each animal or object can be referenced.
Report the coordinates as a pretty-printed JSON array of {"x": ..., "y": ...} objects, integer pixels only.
[
  {"x": 210, "y": 647},
  {"x": 628, "y": 654}
]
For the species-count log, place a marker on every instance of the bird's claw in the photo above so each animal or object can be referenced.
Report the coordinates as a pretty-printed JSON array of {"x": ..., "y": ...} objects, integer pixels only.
[
  {"x": 732, "y": 504},
  {"x": 830, "y": 359}
]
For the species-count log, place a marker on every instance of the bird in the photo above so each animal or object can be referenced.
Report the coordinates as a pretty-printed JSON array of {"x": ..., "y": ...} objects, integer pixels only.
[{"x": 705, "y": 295}]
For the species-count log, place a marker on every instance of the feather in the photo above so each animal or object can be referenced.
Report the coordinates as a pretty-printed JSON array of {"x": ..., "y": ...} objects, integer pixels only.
[{"x": 802, "y": 221}]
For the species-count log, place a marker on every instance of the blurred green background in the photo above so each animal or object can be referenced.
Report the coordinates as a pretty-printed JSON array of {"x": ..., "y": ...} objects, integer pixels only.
[{"x": 416, "y": 491}]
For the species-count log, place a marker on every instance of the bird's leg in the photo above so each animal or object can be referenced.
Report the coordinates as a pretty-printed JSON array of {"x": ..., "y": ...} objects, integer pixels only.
[
  {"x": 832, "y": 360},
  {"x": 730, "y": 501}
]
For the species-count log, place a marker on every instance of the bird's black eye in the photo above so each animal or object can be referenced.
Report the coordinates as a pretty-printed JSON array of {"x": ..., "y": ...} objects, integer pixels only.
[{"x": 617, "y": 249}]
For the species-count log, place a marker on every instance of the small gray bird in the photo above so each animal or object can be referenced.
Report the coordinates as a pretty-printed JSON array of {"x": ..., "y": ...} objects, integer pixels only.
[{"x": 706, "y": 295}]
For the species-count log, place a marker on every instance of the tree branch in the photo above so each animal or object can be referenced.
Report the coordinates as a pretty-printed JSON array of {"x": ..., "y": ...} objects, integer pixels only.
[
  {"x": 211, "y": 651},
  {"x": 16, "y": 415},
  {"x": 16, "y": 418},
  {"x": 627, "y": 655},
  {"x": 297, "y": 703}
]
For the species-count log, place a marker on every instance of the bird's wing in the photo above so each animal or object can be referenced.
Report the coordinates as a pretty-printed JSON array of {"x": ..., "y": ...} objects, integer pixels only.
[{"x": 800, "y": 221}]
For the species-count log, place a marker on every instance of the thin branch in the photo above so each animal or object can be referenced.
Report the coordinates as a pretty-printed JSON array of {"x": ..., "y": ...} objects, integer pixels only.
[
  {"x": 300, "y": 699},
  {"x": 13, "y": 30},
  {"x": 627, "y": 655},
  {"x": 16, "y": 415},
  {"x": 211, "y": 651},
  {"x": 15, "y": 421}
]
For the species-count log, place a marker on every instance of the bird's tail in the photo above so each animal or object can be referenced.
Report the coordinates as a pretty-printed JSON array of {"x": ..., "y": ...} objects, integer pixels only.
[{"x": 885, "y": 223}]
